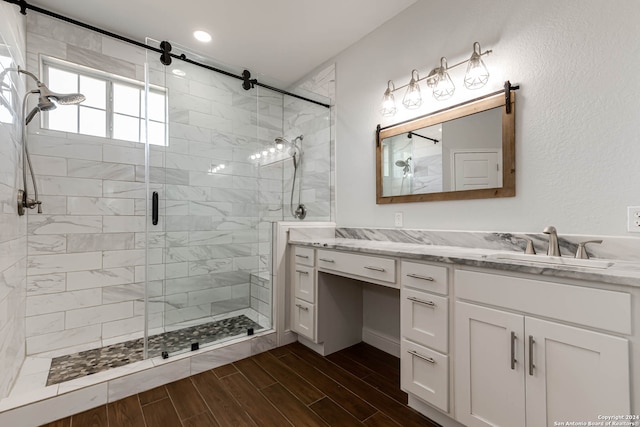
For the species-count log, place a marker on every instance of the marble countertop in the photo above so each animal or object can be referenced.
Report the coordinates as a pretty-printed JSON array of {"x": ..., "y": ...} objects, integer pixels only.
[{"x": 598, "y": 270}]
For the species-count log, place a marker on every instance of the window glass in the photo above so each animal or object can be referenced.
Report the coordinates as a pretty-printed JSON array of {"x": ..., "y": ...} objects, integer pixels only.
[
  {"x": 113, "y": 108},
  {"x": 95, "y": 91},
  {"x": 64, "y": 119},
  {"x": 126, "y": 100},
  {"x": 93, "y": 121},
  {"x": 156, "y": 107},
  {"x": 62, "y": 81},
  {"x": 126, "y": 128},
  {"x": 156, "y": 133}
]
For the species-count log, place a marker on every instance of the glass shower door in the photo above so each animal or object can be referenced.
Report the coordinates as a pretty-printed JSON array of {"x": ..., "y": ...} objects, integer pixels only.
[{"x": 199, "y": 293}]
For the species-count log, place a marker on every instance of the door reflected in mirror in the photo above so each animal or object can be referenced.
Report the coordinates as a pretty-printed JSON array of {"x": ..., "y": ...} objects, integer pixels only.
[{"x": 458, "y": 153}]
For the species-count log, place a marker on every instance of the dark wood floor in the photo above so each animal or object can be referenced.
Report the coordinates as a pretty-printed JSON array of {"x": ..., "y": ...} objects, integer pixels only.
[{"x": 290, "y": 385}]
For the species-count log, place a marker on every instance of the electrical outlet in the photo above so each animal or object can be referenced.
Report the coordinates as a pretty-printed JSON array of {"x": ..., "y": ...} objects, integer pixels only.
[
  {"x": 633, "y": 219},
  {"x": 398, "y": 218}
]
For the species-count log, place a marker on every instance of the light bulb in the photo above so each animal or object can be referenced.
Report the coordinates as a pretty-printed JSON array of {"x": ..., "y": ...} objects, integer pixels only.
[
  {"x": 279, "y": 146},
  {"x": 253, "y": 157},
  {"x": 444, "y": 88},
  {"x": 272, "y": 150},
  {"x": 413, "y": 98},
  {"x": 258, "y": 155}
]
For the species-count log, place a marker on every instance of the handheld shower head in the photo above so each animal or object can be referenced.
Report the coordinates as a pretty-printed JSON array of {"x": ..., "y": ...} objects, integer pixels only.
[{"x": 60, "y": 98}]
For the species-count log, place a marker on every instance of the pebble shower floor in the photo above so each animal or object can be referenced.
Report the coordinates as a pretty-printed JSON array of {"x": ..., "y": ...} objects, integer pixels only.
[{"x": 77, "y": 365}]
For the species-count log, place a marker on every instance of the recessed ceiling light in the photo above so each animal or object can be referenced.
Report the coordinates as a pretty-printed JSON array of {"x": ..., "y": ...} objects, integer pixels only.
[
  {"x": 178, "y": 72},
  {"x": 202, "y": 36}
]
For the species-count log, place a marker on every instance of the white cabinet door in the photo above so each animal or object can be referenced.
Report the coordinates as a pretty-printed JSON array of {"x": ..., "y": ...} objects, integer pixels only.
[
  {"x": 489, "y": 368},
  {"x": 577, "y": 374}
]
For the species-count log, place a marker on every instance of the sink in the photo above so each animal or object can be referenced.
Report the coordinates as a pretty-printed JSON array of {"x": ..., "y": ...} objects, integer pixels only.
[{"x": 552, "y": 260}]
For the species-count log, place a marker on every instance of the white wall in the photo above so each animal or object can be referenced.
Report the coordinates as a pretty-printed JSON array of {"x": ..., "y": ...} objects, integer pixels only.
[
  {"x": 577, "y": 125},
  {"x": 13, "y": 228}
]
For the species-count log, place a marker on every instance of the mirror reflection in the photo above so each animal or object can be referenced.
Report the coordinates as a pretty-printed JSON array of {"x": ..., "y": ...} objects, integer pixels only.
[
  {"x": 464, "y": 152},
  {"x": 460, "y": 154}
]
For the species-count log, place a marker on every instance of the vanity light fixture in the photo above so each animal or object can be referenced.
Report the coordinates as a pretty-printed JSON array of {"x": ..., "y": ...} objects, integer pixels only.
[{"x": 440, "y": 82}]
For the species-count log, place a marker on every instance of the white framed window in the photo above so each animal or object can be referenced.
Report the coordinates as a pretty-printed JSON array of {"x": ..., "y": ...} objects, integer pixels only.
[{"x": 114, "y": 106}]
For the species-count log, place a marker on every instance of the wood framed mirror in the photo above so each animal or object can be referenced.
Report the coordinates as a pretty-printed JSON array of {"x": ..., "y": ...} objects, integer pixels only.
[{"x": 460, "y": 153}]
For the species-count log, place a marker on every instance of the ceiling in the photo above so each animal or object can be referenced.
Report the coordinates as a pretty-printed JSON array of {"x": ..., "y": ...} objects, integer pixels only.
[{"x": 277, "y": 40}]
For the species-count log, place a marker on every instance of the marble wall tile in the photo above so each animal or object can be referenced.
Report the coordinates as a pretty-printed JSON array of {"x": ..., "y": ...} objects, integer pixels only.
[
  {"x": 46, "y": 283},
  {"x": 99, "y": 170},
  {"x": 98, "y": 315},
  {"x": 47, "y": 165},
  {"x": 63, "y": 224},
  {"x": 123, "y": 189},
  {"x": 52, "y": 303},
  {"x": 43, "y": 264},
  {"x": 13, "y": 247},
  {"x": 99, "y": 206},
  {"x": 122, "y": 293},
  {"x": 44, "y": 324},
  {"x": 57, "y": 146},
  {"x": 148, "y": 379},
  {"x": 62, "y": 406},
  {"x": 64, "y": 186},
  {"x": 63, "y": 339},
  {"x": 123, "y": 258},
  {"x": 93, "y": 59},
  {"x": 99, "y": 278},
  {"x": 122, "y": 327},
  {"x": 123, "y": 224},
  {"x": 46, "y": 244},
  {"x": 99, "y": 242}
]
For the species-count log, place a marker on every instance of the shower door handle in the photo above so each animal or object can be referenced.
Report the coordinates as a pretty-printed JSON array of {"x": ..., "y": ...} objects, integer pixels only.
[{"x": 154, "y": 211}]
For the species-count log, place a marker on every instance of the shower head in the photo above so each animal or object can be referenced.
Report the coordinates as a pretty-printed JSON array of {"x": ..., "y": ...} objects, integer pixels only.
[{"x": 60, "y": 98}]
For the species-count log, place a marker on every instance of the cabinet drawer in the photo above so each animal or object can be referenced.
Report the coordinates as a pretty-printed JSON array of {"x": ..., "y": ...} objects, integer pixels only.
[
  {"x": 304, "y": 255},
  {"x": 383, "y": 269},
  {"x": 425, "y": 374},
  {"x": 304, "y": 320},
  {"x": 426, "y": 277},
  {"x": 304, "y": 283},
  {"x": 425, "y": 319}
]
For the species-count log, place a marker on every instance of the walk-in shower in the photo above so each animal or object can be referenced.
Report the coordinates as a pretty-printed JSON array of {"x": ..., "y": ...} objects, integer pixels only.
[
  {"x": 102, "y": 283},
  {"x": 294, "y": 149}
]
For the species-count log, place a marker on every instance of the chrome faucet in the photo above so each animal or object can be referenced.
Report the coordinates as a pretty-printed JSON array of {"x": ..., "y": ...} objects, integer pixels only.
[{"x": 554, "y": 245}]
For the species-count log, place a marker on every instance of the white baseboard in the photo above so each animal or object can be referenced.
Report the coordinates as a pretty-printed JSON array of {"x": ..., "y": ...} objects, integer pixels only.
[{"x": 381, "y": 341}]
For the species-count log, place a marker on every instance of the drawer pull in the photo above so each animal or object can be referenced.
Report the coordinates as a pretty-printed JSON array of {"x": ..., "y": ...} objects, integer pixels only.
[
  {"x": 302, "y": 272},
  {"x": 417, "y": 276},
  {"x": 421, "y": 301},
  {"x": 325, "y": 260},
  {"x": 302, "y": 307},
  {"x": 369, "y": 267},
  {"x": 421, "y": 356},
  {"x": 303, "y": 256}
]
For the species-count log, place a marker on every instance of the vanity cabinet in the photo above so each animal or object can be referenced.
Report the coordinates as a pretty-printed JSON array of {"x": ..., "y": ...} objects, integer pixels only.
[
  {"x": 424, "y": 327},
  {"x": 515, "y": 369},
  {"x": 304, "y": 293}
]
